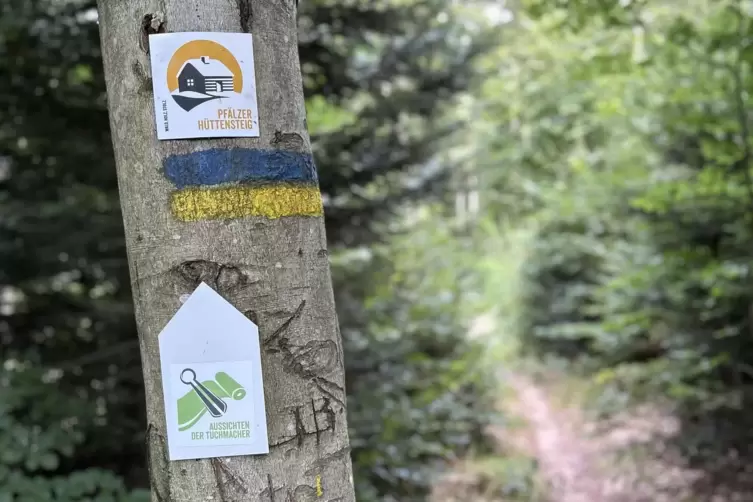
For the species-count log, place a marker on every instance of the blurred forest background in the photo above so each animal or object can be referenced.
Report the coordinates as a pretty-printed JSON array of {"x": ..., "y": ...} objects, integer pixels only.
[{"x": 540, "y": 213}]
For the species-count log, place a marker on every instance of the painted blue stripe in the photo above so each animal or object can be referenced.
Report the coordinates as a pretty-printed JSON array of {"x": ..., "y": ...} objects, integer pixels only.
[{"x": 218, "y": 166}]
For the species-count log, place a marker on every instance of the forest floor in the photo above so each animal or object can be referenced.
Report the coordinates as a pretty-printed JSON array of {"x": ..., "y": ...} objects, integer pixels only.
[{"x": 550, "y": 451}]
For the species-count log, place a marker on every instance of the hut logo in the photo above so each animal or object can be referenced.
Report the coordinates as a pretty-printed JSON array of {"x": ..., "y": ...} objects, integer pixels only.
[{"x": 202, "y": 71}]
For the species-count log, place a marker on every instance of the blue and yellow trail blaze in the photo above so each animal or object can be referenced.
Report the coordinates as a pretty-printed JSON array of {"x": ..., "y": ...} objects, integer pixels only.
[{"x": 241, "y": 182}]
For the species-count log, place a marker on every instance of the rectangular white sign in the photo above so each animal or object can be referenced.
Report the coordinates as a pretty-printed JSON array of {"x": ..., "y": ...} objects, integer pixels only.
[{"x": 204, "y": 85}]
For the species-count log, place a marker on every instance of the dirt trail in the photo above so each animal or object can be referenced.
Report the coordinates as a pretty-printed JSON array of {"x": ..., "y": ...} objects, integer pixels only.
[
  {"x": 579, "y": 460},
  {"x": 629, "y": 457},
  {"x": 567, "y": 460},
  {"x": 579, "y": 464}
]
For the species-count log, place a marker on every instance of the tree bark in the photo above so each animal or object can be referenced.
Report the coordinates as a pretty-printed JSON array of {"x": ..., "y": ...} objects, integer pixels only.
[{"x": 276, "y": 271}]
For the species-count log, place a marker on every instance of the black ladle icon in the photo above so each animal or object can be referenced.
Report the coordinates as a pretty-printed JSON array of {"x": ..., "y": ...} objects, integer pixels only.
[{"x": 216, "y": 406}]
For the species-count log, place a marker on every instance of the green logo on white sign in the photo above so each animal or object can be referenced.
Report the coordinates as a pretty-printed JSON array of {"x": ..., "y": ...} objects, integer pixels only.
[{"x": 209, "y": 396}]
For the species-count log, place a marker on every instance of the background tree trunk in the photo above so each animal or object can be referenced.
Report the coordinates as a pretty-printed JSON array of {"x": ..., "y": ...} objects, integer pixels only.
[{"x": 276, "y": 271}]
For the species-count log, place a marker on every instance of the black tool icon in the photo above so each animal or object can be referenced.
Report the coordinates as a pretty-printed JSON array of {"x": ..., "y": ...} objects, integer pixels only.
[{"x": 216, "y": 406}]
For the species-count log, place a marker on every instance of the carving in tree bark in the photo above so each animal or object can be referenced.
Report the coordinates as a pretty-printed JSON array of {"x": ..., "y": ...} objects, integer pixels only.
[{"x": 274, "y": 270}]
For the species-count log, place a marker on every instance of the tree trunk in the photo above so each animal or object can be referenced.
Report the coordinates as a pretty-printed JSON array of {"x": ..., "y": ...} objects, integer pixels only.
[{"x": 274, "y": 270}]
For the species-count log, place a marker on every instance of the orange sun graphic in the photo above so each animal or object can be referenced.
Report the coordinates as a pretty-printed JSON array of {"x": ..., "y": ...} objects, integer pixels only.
[{"x": 198, "y": 49}]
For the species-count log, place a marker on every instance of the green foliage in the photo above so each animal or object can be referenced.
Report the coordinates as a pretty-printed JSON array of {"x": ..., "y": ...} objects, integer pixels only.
[
  {"x": 417, "y": 398},
  {"x": 395, "y": 67},
  {"x": 88, "y": 485},
  {"x": 629, "y": 154},
  {"x": 40, "y": 432},
  {"x": 513, "y": 479}
]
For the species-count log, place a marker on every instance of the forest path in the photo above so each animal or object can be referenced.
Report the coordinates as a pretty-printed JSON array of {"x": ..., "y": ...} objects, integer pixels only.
[
  {"x": 567, "y": 459},
  {"x": 573, "y": 461},
  {"x": 547, "y": 449},
  {"x": 540, "y": 430},
  {"x": 582, "y": 460}
]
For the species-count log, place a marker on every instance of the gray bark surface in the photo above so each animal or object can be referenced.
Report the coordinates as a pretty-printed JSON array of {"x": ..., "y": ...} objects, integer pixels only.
[{"x": 276, "y": 271}]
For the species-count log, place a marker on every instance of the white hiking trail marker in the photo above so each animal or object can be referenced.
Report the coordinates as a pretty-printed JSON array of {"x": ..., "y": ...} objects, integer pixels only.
[
  {"x": 212, "y": 380},
  {"x": 204, "y": 85}
]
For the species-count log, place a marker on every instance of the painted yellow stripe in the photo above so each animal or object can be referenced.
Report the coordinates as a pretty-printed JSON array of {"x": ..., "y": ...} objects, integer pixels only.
[{"x": 270, "y": 201}]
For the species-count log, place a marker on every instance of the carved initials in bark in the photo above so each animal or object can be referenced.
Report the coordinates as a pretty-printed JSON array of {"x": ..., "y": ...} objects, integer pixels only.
[{"x": 321, "y": 419}]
